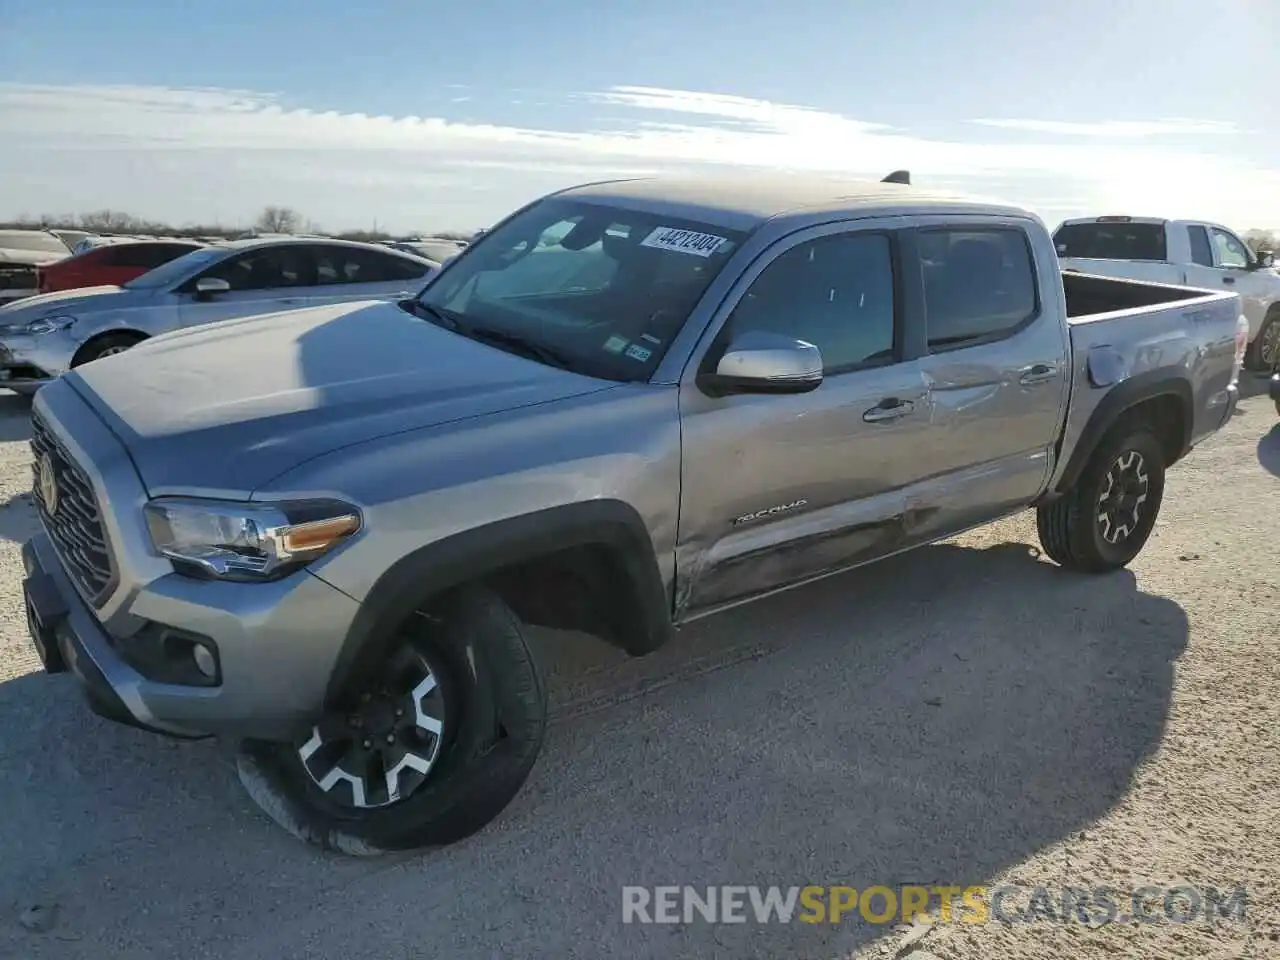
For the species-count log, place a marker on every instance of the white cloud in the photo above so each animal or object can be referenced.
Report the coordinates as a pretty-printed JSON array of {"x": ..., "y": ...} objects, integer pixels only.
[
  {"x": 184, "y": 154},
  {"x": 1111, "y": 129}
]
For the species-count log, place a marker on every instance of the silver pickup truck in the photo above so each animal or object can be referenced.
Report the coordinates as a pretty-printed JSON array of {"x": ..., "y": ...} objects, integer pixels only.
[{"x": 627, "y": 406}]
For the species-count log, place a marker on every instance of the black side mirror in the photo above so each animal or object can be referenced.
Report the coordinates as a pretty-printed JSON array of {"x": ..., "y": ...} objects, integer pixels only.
[{"x": 1264, "y": 260}]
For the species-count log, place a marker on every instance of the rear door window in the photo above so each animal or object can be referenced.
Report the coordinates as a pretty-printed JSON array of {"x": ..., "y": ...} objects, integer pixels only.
[
  {"x": 340, "y": 265},
  {"x": 1112, "y": 240},
  {"x": 979, "y": 285}
]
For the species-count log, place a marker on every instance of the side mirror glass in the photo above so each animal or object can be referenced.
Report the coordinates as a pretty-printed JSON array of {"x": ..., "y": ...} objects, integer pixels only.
[
  {"x": 210, "y": 286},
  {"x": 760, "y": 362}
]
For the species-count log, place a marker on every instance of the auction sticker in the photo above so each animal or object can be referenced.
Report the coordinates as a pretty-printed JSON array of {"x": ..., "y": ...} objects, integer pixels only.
[
  {"x": 616, "y": 344},
  {"x": 637, "y": 352},
  {"x": 683, "y": 241}
]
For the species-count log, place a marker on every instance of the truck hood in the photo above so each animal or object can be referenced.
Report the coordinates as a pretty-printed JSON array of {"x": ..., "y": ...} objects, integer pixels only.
[
  {"x": 220, "y": 410},
  {"x": 81, "y": 300}
]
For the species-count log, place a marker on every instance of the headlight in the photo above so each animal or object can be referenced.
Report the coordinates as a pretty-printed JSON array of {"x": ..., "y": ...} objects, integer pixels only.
[
  {"x": 247, "y": 541},
  {"x": 48, "y": 324}
]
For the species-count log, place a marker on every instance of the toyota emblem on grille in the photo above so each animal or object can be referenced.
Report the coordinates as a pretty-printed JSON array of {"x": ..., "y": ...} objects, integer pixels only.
[{"x": 48, "y": 484}]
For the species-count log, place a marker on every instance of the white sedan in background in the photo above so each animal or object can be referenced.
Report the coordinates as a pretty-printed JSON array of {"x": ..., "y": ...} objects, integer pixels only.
[{"x": 44, "y": 336}]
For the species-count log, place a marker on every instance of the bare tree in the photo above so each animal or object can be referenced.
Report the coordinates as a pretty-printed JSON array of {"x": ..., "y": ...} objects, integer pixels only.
[
  {"x": 273, "y": 220},
  {"x": 108, "y": 221},
  {"x": 1260, "y": 240},
  {"x": 279, "y": 220}
]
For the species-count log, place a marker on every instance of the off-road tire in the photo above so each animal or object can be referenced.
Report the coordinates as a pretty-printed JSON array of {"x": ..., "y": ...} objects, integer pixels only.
[
  {"x": 1069, "y": 527},
  {"x": 498, "y": 720},
  {"x": 1253, "y": 359}
]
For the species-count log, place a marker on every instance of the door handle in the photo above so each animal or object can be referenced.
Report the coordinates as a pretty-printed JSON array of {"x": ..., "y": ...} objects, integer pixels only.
[
  {"x": 890, "y": 408},
  {"x": 1228, "y": 280},
  {"x": 1038, "y": 373}
]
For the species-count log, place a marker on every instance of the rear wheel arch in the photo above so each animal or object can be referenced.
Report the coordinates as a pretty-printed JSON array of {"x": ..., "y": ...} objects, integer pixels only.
[
  {"x": 1162, "y": 402},
  {"x": 587, "y": 566}
]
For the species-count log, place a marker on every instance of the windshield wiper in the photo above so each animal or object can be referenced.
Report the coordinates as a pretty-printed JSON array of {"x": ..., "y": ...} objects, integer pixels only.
[
  {"x": 521, "y": 344},
  {"x": 428, "y": 312}
]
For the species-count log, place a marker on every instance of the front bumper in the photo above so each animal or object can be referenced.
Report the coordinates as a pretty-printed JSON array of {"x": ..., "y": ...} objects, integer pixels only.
[
  {"x": 67, "y": 637},
  {"x": 27, "y": 360},
  {"x": 269, "y": 687},
  {"x": 275, "y": 644}
]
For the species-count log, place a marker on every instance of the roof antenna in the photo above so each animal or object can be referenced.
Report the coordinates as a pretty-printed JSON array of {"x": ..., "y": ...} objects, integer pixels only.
[{"x": 898, "y": 176}]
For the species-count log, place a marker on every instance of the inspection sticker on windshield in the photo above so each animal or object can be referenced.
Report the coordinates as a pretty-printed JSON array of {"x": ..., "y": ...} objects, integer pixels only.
[
  {"x": 683, "y": 241},
  {"x": 616, "y": 344},
  {"x": 637, "y": 352}
]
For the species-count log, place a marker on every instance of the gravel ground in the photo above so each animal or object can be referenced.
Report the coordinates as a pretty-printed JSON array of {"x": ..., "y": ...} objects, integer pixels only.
[{"x": 969, "y": 714}]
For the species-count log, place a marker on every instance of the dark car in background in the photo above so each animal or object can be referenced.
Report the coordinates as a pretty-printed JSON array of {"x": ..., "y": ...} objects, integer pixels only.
[{"x": 111, "y": 265}]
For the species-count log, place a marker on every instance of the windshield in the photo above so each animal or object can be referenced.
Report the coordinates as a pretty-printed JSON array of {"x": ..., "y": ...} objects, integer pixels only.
[
  {"x": 603, "y": 287},
  {"x": 31, "y": 240},
  {"x": 176, "y": 270}
]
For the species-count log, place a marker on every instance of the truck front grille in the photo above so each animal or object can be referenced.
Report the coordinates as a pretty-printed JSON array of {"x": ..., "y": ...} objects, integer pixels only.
[{"x": 73, "y": 519}]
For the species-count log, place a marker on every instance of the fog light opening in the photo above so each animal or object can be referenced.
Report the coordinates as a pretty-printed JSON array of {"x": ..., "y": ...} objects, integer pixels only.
[{"x": 206, "y": 663}]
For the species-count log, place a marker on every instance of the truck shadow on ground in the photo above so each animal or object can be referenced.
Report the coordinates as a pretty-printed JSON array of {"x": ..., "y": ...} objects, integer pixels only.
[
  {"x": 15, "y": 417},
  {"x": 933, "y": 719},
  {"x": 1269, "y": 451}
]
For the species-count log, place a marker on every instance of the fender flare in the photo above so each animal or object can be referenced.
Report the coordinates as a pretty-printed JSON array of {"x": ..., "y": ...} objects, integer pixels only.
[
  {"x": 1119, "y": 400},
  {"x": 475, "y": 553}
]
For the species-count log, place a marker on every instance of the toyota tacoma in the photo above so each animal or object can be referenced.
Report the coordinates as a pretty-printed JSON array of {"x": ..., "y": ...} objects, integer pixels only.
[{"x": 323, "y": 534}]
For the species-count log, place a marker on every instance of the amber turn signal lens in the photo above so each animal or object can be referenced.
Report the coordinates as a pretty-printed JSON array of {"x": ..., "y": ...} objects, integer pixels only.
[{"x": 319, "y": 534}]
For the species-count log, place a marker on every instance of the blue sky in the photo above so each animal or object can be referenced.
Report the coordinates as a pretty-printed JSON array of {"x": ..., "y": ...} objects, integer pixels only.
[{"x": 435, "y": 116}]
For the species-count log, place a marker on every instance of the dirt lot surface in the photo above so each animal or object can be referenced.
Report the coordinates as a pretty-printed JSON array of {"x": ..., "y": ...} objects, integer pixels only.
[{"x": 968, "y": 714}]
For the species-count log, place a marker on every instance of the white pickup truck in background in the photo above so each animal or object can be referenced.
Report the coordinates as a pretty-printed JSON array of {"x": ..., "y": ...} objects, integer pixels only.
[{"x": 1184, "y": 253}]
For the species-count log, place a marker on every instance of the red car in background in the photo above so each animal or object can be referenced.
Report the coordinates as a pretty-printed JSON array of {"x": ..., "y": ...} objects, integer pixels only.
[{"x": 111, "y": 265}]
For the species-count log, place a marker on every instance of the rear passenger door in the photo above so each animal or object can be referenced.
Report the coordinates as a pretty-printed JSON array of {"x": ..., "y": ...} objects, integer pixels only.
[
  {"x": 777, "y": 489},
  {"x": 995, "y": 357},
  {"x": 356, "y": 273}
]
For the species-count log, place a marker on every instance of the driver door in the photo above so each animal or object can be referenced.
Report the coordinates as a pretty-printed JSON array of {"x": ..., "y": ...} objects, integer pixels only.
[
  {"x": 1231, "y": 270},
  {"x": 262, "y": 279},
  {"x": 777, "y": 489}
]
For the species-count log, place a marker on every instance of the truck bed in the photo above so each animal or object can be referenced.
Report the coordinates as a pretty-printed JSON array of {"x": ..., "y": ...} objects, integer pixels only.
[
  {"x": 1089, "y": 294},
  {"x": 1127, "y": 330}
]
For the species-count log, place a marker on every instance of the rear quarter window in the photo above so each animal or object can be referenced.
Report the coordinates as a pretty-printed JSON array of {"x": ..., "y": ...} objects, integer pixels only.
[{"x": 1111, "y": 241}]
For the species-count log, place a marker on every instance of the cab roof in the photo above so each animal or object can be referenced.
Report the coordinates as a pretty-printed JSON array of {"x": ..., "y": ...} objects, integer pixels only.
[{"x": 745, "y": 201}]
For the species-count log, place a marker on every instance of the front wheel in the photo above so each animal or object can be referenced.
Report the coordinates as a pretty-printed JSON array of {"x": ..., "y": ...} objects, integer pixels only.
[
  {"x": 107, "y": 345},
  {"x": 1264, "y": 353},
  {"x": 436, "y": 744},
  {"x": 1104, "y": 521}
]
